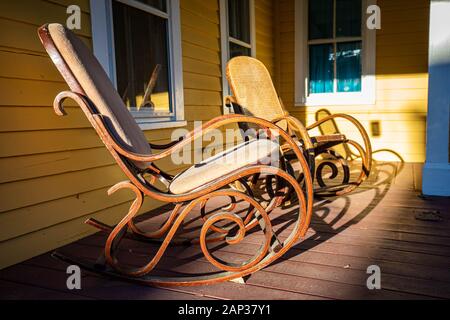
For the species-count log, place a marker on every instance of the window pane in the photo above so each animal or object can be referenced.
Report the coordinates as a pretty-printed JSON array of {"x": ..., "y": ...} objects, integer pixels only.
[
  {"x": 321, "y": 68},
  {"x": 320, "y": 24},
  {"x": 237, "y": 50},
  {"x": 141, "y": 49},
  {"x": 239, "y": 19},
  {"x": 158, "y": 4},
  {"x": 348, "y": 18},
  {"x": 349, "y": 66}
]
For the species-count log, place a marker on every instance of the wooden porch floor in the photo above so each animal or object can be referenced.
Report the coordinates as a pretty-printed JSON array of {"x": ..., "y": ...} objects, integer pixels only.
[{"x": 384, "y": 223}]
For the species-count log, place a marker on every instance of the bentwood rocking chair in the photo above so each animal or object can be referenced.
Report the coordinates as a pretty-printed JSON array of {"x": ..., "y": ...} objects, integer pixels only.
[
  {"x": 254, "y": 94},
  {"x": 91, "y": 89}
]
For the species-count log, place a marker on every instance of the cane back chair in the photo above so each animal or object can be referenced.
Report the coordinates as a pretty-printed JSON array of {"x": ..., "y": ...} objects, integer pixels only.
[{"x": 254, "y": 94}]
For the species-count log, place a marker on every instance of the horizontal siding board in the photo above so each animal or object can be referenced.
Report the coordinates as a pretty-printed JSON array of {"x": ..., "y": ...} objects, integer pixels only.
[
  {"x": 200, "y": 38},
  {"x": 200, "y": 53},
  {"x": 42, "y": 189},
  {"x": 18, "y": 92},
  {"x": 385, "y": 110},
  {"x": 38, "y": 12},
  {"x": 18, "y": 222},
  {"x": 83, "y": 4},
  {"x": 200, "y": 113},
  {"x": 208, "y": 9},
  {"x": 196, "y": 22},
  {"x": 201, "y": 67},
  {"x": 33, "y": 142},
  {"x": 26, "y": 66},
  {"x": 24, "y": 36},
  {"x": 15, "y": 118},
  {"x": 44, "y": 240},
  {"x": 40, "y": 165},
  {"x": 202, "y": 82},
  {"x": 401, "y": 50},
  {"x": 402, "y": 38},
  {"x": 202, "y": 98}
]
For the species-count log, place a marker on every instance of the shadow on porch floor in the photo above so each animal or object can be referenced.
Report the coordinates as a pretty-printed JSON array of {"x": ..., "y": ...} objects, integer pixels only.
[{"x": 383, "y": 223}]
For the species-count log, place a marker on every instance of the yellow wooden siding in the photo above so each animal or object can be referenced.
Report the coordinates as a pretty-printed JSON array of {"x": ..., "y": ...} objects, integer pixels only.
[
  {"x": 54, "y": 171},
  {"x": 284, "y": 54},
  {"x": 401, "y": 78},
  {"x": 265, "y": 33}
]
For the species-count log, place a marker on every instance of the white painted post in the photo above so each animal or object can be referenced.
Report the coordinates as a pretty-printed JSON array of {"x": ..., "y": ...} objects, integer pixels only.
[
  {"x": 436, "y": 173},
  {"x": 103, "y": 39}
]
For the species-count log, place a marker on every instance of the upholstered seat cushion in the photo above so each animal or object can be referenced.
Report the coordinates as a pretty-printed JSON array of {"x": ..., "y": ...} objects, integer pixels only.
[{"x": 261, "y": 151}]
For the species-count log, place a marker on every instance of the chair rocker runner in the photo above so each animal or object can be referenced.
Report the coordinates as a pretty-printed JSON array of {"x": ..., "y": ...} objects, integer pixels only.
[
  {"x": 254, "y": 94},
  {"x": 91, "y": 89}
]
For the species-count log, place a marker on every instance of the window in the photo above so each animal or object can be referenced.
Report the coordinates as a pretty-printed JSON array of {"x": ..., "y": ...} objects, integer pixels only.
[
  {"x": 335, "y": 53},
  {"x": 237, "y": 32},
  {"x": 239, "y": 28},
  {"x": 138, "y": 44}
]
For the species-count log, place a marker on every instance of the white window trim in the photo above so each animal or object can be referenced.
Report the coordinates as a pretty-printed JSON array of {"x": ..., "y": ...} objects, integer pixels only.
[
  {"x": 368, "y": 94},
  {"x": 103, "y": 43},
  {"x": 225, "y": 40}
]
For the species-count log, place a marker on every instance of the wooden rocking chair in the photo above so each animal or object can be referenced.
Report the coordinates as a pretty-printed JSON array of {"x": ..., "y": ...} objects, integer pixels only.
[
  {"x": 254, "y": 94},
  {"x": 91, "y": 89}
]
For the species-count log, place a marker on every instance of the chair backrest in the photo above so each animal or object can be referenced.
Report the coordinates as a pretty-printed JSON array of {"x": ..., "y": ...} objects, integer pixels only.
[
  {"x": 84, "y": 75},
  {"x": 253, "y": 89}
]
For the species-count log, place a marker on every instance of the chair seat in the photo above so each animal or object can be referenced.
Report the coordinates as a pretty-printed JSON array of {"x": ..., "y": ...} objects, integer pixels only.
[
  {"x": 337, "y": 137},
  {"x": 260, "y": 151}
]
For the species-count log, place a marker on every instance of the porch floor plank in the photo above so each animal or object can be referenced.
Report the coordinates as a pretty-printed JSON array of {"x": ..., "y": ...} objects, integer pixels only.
[{"x": 375, "y": 225}]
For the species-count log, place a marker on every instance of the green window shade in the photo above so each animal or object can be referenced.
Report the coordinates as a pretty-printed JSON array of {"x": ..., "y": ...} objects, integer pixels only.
[
  {"x": 320, "y": 19},
  {"x": 158, "y": 4},
  {"x": 321, "y": 68},
  {"x": 239, "y": 19},
  {"x": 237, "y": 50},
  {"x": 348, "y": 67},
  {"x": 348, "y": 18}
]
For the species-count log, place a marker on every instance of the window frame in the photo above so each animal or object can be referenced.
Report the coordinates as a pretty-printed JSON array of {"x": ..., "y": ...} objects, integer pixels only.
[
  {"x": 104, "y": 50},
  {"x": 225, "y": 40},
  {"x": 368, "y": 60}
]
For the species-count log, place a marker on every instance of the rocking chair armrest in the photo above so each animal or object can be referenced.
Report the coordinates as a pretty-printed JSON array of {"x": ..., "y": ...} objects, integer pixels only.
[
  {"x": 78, "y": 98},
  {"x": 352, "y": 120},
  {"x": 200, "y": 131},
  {"x": 295, "y": 125},
  {"x": 230, "y": 100},
  {"x": 235, "y": 107},
  {"x": 165, "y": 146}
]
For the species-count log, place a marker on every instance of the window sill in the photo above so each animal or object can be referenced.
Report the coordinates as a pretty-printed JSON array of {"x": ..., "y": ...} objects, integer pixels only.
[
  {"x": 162, "y": 125},
  {"x": 348, "y": 99}
]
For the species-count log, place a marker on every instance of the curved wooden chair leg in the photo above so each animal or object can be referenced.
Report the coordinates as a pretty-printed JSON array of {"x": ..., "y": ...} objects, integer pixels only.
[
  {"x": 270, "y": 250},
  {"x": 366, "y": 162}
]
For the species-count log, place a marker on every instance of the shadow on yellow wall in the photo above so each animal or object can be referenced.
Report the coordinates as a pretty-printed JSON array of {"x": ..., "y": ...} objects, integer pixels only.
[{"x": 331, "y": 127}]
